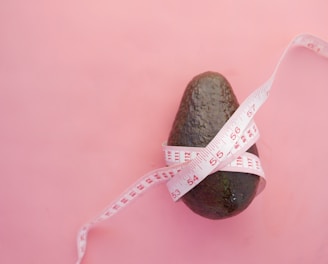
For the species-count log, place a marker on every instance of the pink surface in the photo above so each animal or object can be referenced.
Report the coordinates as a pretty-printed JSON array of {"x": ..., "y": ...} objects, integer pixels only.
[{"x": 88, "y": 92}]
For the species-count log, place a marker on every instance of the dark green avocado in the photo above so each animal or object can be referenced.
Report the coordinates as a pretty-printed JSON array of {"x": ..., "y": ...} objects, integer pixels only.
[{"x": 207, "y": 103}]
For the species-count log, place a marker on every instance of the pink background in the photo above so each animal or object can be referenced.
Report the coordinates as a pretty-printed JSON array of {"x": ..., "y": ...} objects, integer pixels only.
[{"x": 88, "y": 92}]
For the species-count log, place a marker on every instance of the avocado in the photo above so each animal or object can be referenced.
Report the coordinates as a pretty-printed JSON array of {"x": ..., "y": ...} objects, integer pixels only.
[{"x": 207, "y": 103}]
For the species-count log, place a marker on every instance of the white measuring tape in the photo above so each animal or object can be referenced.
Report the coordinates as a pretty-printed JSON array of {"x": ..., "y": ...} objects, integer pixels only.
[{"x": 188, "y": 166}]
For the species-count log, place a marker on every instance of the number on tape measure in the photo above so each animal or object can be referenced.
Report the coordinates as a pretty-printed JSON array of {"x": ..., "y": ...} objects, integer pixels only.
[
  {"x": 234, "y": 134},
  {"x": 175, "y": 194},
  {"x": 219, "y": 154},
  {"x": 193, "y": 180},
  {"x": 251, "y": 111},
  {"x": 213, "y": 161}
]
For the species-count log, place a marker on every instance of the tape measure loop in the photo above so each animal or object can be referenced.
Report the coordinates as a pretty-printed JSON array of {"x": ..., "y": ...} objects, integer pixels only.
[{"x": 188, "y": 166}]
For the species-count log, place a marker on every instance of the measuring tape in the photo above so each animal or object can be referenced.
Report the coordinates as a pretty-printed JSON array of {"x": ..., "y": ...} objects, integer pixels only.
[{"x": 188, "y": 166}]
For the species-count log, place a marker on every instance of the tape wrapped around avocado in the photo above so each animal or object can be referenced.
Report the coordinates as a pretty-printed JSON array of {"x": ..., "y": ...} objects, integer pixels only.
[{"x": 207, "y": 103}]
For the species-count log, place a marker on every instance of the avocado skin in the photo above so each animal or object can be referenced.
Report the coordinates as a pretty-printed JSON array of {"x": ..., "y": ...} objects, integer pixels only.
[{"x": 206, "y": 105}]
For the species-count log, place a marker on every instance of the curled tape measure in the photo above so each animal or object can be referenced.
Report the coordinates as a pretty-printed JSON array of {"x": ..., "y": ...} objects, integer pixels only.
[{"x": 188, "y": 166}]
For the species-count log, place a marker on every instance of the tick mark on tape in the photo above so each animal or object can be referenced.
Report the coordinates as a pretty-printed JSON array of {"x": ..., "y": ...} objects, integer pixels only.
[
  {"x": 140, "y": 187},
  {"x": 313, "y": 46},
  {"x": 187, "y": 155},
  {"x": 124, "y": 200},
  {"x": 116, "y": 207},
  {"x": 239, "y": 161},
  {"x": 149, "y": 181},
  {"x": 171, "y": 173}
]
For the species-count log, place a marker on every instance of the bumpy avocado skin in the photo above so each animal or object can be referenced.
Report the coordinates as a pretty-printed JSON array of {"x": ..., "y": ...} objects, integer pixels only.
[{"x": 207, "y": 103}]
